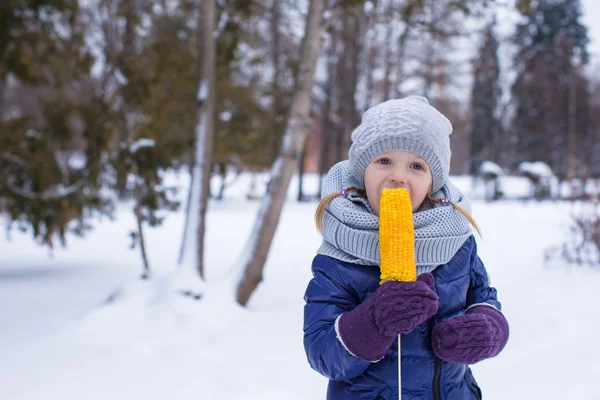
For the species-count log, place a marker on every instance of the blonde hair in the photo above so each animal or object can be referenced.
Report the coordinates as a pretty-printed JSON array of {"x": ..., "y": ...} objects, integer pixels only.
[
  {"x": 361, "y": 192},
  {"x": 327, "y": 199},
  {"x": 460, "y": 210}
]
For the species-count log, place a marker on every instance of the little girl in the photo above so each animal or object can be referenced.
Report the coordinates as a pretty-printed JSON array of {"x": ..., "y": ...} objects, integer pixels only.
[{"x": 449, "y": 318}]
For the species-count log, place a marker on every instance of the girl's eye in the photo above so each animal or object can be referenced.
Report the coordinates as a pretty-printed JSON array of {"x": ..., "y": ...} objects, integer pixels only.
[
  {"x": 417, "y": 166},
  {"x": 384, "y": 161}
]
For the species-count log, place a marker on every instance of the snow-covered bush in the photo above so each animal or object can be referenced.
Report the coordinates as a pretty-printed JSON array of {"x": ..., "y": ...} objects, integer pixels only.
[
  {"x": 582, "y": 245},
  {"x": 491, "y": 173},
  {"x": 541, "y": 177}
]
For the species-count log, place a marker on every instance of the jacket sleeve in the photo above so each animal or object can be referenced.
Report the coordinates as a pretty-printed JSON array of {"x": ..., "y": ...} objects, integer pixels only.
[
  {"x": 480, "y": 292},
  {"x": 327, "y": 297}
]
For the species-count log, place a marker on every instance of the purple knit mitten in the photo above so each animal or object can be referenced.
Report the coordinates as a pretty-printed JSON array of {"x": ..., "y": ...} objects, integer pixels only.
[
  {"x": 369, "y": 330},
  {"x": 482, "y": 332}
]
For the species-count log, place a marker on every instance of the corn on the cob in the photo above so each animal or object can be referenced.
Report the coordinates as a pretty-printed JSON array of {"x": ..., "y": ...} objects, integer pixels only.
[{"x": 396, "y": 237}]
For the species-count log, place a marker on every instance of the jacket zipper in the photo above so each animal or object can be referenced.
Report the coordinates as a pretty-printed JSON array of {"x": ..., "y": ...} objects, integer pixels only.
[
  {"x": 437, "y": 372},
  {"x": 437, "y": 369}
]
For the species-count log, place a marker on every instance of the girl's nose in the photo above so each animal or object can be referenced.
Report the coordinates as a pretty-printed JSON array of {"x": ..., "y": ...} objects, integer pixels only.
[{"x": 398, "y": 177}]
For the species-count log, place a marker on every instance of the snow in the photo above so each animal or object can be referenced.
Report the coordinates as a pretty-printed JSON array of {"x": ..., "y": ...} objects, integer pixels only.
[
  {"x": 202, "y": 94},
  {"x": 488, "y": 167},
  {"x": 53, "y": 193},
  {"x": 121, "y": 79},
  {"x": 537, "y": 168},
  {"x": 32, "y": 133},
  {"x": 61, "y": 339},
  {"x": 77, "y": 161},
  {"x": 221, "y": 25},
  {"x": 225, "y": 116},
  {"x": 141, "y": 144}
]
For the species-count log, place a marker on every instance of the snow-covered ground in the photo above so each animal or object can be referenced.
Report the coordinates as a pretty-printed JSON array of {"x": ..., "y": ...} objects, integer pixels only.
[{"x": 61, "y": 339}]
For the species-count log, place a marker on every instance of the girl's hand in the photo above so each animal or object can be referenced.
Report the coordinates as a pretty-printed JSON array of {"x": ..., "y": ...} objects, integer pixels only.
[
  {"x": 369, "y": 330},
  {"x": 482, "y": 332},
  {"x": 402, "y": 306}
]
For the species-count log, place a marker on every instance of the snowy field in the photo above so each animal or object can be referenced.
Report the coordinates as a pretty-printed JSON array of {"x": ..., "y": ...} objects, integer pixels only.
[{"x": 61, "y": 339}]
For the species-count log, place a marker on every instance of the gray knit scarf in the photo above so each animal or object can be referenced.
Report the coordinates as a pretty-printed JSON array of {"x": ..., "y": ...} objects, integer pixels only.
[{"x": 351, "y": 229}]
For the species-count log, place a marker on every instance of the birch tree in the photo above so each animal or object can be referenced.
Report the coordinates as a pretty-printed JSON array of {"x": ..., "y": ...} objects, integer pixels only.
[{"x": 254, "y": 255}]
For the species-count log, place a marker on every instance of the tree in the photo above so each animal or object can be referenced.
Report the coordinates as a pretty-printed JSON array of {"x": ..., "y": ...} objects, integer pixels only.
[
  {"x": 193, "y": 258},
  {"x": 250, "y": 107},
  {"x": 383, "y": 49},
  {"x": 485, "y": 100},
  {"x": 52, "y": 159},
  {"x": 326, "y": 105},
  {"x": 254, "y": 255},
  {"x": 337, "y": 105},
  {"x": 592, "y": 144},
  {"x": 142, "y": 81},
  {"x": 169, "y": 64},
  {"x": 432, "y": 33},
  {"x": 282, "y": 62},
  {"x": 552, "y": 49}
]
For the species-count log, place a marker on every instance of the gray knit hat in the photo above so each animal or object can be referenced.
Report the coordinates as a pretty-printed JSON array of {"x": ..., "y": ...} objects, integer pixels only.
[{"x": 408, "y": 124}]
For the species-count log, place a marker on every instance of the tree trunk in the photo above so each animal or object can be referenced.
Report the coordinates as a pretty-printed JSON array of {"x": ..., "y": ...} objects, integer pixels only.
[
  {"x": 223, "y": 176},
  {"x": 125, "y": 133},
  {"x": 205, "y": 98},
  {"x": 352, "y": 49},
  {"x": 326, "y": 125},
  {"x": 187, "y": 212},
  {"x": 298, "y": 124},
  {"x": 140, "y": 219},
  {"x": 400, "y": 59},
  {"x": 572, "y": 127},
  {"x": 389, "y": 46},
  {"x": 2, "y": 91},
  {"x": 301, "y": 196},
  {"x": 370, "y": 51},
  {"x": 276, "y": 108},
  {"x": 370, "y": 85}
]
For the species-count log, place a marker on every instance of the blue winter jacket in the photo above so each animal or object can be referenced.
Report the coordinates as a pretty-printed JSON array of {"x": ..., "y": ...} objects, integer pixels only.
[{"x": 338, "y": 287}]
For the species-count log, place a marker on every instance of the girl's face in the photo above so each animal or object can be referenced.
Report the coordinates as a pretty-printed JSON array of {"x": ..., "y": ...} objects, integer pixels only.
[{"x": 397, "y": 169}]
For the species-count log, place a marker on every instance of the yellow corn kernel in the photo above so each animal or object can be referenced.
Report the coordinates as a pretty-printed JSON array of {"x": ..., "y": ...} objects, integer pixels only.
[{"x": 396, "y": 237}]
